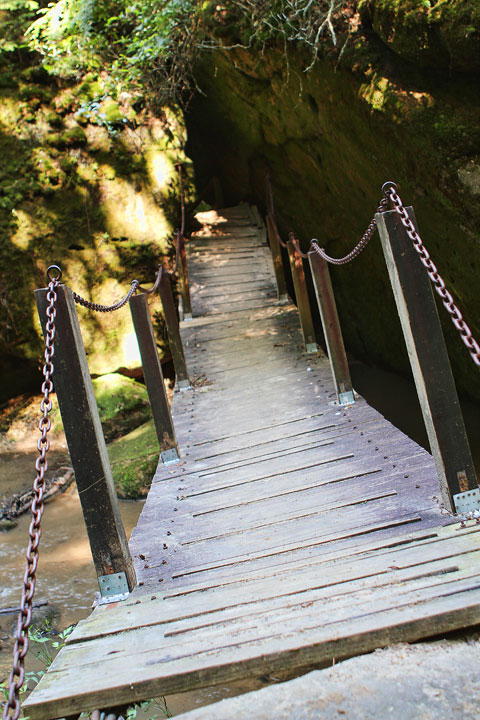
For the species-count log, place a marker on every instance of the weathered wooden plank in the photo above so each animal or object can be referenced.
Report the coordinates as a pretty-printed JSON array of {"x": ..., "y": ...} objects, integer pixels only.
[
  {"x": 432, "y": 542},
  {"x": 366, "y": 570},
  {"x": 222, "y": 615},
  {"x": 348, "y": 546},
  {"x": 148, "y": 676}
]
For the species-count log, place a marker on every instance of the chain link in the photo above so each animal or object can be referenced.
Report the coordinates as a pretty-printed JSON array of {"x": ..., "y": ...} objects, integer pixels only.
[
  {"x": 367, "y": 236},
  {"x": 294, "y": 241},
  {"x": 434, "y": 275},
  {"x": 107, "y": 308},
  {"x": 12, "y": 707},
  {"x": 156, "y": 284},
  {"x": 382, "y": 206}
]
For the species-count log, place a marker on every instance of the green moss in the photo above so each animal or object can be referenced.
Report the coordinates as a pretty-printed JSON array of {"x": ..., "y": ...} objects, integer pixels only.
[
  {"x": 111, "y": 113},
  {"x": 55, "y": 140},
  {"x": 75, "y": 137},
  {"x": 441, "y": 34},
  {"x": 7, "y": 80},
  {"x": 134, "y": 459},
  {"x": 122, "y": 404},
  {"x": 54, "y": 120}
]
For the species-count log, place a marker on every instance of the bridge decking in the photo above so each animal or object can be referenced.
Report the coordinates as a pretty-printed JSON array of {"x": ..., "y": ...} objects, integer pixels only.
[{"x": 292, "y": 531}]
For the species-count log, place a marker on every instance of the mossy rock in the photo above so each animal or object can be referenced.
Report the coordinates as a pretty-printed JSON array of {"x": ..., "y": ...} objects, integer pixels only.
[
  {"x": 87, "y": 197},
  {"x": 7, "y": 80},
  {"x": 438, "y": 34},
  {"x": 122, "y": 404},
  {"x": 75, "y": 136},
  {"x": 54, "y": 120},
  {"x": 110, "y": 113},
  {"x": 134, "y": 459}
]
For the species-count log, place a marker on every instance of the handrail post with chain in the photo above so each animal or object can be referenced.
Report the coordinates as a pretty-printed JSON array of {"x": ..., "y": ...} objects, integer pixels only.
[
  {"x": 301, "y": 294},
  {"x": 152, "y": 372},
  {"x": 331, "y": 328},
  {"x": 11, "y": 709},
  {"x": 88, "y": 451},
  {"x": 429, "y": 361}
]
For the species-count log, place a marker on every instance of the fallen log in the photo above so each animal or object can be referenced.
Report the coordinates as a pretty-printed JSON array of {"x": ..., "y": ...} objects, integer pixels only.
[
  {"x": 17, "y": 504},
  {"x": 12, "y": 610}
]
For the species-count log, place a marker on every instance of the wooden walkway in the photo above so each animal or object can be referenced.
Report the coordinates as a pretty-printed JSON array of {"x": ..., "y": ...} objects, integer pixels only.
[{"x": 292, "y": 532}]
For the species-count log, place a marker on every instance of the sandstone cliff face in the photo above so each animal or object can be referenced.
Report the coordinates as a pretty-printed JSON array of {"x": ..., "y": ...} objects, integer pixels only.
[{"x": 399, "y": 105}]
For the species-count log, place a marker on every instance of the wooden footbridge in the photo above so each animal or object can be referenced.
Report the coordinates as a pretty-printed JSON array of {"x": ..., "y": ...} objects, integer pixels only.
[{"x": 296, "y": 528}]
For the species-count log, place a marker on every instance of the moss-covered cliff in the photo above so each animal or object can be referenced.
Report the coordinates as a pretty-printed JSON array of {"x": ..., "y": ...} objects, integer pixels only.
[
  {"x": 87, "y": 182},
  {"x": 365, "y": 113}
]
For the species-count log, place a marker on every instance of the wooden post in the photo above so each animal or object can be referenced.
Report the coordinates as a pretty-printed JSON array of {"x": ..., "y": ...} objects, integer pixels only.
[
  {"x": 301, "y": 294},
  {"x": 86, "y": 443},
  {"x": 173, "y": 330},
  {"x": 331, "y": 328},
  {"x": 184, "y": 283},
  {"x": 274, "y": 243},
  {"x": 152, "y": 372},
  {"x": 429, "y": 360}
]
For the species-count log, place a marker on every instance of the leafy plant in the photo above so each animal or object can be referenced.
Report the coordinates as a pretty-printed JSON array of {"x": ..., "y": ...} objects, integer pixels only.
[
  {"x": 45, "y": 647},
  {"x": 15, "y": 16},
  {"x": 154, "y": 704},
  {"x": 43, "y": 644},
  {"x": 150, "y": 46}
]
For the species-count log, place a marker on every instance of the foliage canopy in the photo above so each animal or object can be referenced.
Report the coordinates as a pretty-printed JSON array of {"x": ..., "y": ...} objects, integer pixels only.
[{"x": 151, "y": 45}]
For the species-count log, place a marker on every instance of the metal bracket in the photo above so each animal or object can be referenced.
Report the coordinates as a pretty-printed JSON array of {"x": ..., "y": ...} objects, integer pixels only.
[
  {"x": 283, "y": 300},
  {"x": 169, "y": 456},
  {"x": 346, "y": 398},
  {"x": 184, "y": 385},
  {"x": 113, "y": 588},
  {"x": 187, "y": 316},
  {"x": 467, "y": 501},
  {"x": 311, "y": 348}
]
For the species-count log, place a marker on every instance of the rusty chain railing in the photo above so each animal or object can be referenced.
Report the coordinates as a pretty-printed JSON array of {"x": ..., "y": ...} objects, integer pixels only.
[
  {"x": 17, "y": 676},
  {"x": 134, "y": 286},
  {"x": 389, "y": 190},
  {"x": 12, "y": 706}
]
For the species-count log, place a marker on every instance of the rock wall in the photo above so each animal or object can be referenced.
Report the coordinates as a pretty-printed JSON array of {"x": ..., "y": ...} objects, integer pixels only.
[
  {"x": 88, "y": 183},
  {"x": 367, "y": 112}
]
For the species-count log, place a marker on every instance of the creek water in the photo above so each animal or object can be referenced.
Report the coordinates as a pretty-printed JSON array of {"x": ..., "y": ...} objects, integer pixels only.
[{"x": 66, "y": 577}]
